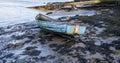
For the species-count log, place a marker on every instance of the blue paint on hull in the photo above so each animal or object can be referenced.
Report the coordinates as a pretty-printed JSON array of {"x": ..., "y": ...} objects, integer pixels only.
[{"x": 61, "y": 28}]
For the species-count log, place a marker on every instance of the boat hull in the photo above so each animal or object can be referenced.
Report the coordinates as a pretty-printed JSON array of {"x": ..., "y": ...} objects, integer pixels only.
[{"x": 65, "y": 28}]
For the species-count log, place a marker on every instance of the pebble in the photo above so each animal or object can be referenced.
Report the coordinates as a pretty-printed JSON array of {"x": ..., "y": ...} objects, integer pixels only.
[
  {"x": 112, "y": 48},
  {"x": 15, "y": 46},
  {"x": 0, "y": 53},
  {"x": 53, "y": 45},
  {"x": 8, "y": 55},
  {"x": 51, "y": 57},
  {"x": 98, "y": 43},
  {"x": 30, "y": 48},
  {"x": 97, "y": 55},
  {"x": 20, "y": 61},
  {"x": 32, "y": 52},
  {"x": 43, "y": 58},
  {"x": 79, "y": 45}
]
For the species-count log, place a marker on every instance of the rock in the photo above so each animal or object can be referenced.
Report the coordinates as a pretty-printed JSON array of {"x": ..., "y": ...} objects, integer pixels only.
[
  {"x": 98, "y": 43},
  {"x": 49, "y": 13},
  {"x": 116, "y": 44},
  {"x": 97, "y": 56},
  {"x": 0, "y": 53},
  {"x": 15, "y": 46},
  {"x": 82, "y": 60},
  {"x": 17, "y": 37},
  {"x": 64, "y": 51},
  {"x": 32, "y": 52},
  {"x": 43, "y": 58},
  {"x": 28, "y": 41},
  {"x": 49, "y": 38},
  {"x": 111, "y": 11},
  {"x": 105, "y": 46},
  {"x": 92, "y": 60},
  {"x": 63, "y": 18},
  {"x": 50, "y": 57},
  {"x": 36, "y": 59},
  {"x": 43, "y": 40},
  {"x": 20, "y": 61},
  {"x": 92, "y": 49},
  {"x": 118, "y": 60},
  {"x": 8, "y": 55},
  {"x": 30, "y": 37},
  {"x": 112, "y": 48},
  {"x": 53, "y": 45},
  {"x": 24, "y": 61},
  {"x": 34, "y": 42},
  {"x": 79, "y": 45},
  {"x": 1, "y": 32},
  {"x": 4, "y": 61},
  {"x": 87, "y": 52},
  {"x": 30, "y": 48}
]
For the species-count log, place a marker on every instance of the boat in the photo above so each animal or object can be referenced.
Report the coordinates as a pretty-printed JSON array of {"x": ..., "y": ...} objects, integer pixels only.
[{"x": 46, "y": 23}]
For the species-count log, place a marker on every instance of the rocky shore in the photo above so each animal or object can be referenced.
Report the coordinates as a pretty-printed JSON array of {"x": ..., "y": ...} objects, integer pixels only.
[{"x": 26, "y": 43}]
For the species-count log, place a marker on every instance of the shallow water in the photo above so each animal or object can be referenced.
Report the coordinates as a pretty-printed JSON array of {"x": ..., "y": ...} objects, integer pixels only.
[{"x": 15, "y": 12}]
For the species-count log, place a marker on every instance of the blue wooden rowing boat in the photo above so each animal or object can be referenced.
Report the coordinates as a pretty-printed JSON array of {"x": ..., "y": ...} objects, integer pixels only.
[
  {"x": 71, "y": 29},
  {"x": 50, "y": 24}
]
